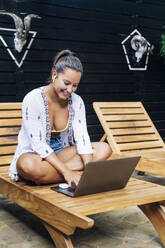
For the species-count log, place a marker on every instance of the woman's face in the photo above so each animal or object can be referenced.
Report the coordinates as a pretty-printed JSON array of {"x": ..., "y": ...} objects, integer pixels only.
[{"x": 65, "y": 83}]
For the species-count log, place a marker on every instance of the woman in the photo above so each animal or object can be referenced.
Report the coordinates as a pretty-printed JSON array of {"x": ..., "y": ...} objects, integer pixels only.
[{"x": 53, "y": 143}]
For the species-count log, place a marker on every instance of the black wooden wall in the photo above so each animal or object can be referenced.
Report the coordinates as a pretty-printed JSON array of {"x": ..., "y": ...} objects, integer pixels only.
[{"x": 94, "y": 29}]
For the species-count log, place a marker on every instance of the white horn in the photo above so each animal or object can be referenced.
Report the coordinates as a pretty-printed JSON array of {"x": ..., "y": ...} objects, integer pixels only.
[
  {"x": 18, "y": 22},
  {"x": 27, "y": 22},
  {"x": 20, "y": 35}
]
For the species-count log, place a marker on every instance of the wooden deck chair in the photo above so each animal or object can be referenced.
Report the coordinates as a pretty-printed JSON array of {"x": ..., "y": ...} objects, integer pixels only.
[
  {"x": 60, "y": 214},
  {"x": 130, "y": 131}
]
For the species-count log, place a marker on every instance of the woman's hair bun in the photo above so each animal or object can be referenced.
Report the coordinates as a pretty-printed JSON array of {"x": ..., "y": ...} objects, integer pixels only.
[
  {"x": 61, "y": 54},
  {"x": 67, "y": 59}
]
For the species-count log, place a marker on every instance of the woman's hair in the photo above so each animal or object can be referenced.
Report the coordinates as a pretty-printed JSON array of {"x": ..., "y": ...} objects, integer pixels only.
[{"x": 67, "y": 59}]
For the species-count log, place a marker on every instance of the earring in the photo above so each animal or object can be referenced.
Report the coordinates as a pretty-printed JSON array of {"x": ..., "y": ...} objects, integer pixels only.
[{"x": 54, "y": 78}]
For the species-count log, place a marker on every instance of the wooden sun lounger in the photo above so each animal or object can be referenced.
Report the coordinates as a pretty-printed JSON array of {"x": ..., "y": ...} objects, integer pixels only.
[
  {"x": 60, "y": 214},
  {"x": 130, "y": 131}
]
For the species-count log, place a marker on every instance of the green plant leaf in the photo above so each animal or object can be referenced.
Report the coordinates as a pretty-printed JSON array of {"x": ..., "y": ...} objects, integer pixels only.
[{"x": 162, "y": 45}]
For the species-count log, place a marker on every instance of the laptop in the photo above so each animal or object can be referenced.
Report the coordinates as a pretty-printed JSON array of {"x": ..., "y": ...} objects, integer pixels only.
[{"x": 102, "y": 176}]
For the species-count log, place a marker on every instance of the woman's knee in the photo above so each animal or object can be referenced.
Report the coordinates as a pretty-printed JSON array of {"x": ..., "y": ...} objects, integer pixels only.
[
  {"x": 102, "y": 150},
  {"x": 28, "y": 168},
  {"x": 106, "y": 149}
]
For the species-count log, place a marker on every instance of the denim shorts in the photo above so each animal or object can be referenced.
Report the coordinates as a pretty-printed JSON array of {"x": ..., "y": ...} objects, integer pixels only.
[{"x": 56, "y": 145}]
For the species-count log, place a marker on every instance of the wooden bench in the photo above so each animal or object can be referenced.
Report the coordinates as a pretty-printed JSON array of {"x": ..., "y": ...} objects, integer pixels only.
[
  {"x": 130, "y": 132},
  {"x": 60, "y": 214}
]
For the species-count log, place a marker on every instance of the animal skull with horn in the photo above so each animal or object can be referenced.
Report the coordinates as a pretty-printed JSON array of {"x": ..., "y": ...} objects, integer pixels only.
[
  {"x": 139, "y": 44},
  {"x": 20, "y": 34}
]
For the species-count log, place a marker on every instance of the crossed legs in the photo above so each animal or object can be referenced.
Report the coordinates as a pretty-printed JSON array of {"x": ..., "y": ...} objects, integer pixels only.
[{"x": 32, "y": 167}]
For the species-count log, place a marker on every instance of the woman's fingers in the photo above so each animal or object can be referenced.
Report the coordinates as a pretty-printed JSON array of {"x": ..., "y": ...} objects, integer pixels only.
[{"x": 72, "y": 177}]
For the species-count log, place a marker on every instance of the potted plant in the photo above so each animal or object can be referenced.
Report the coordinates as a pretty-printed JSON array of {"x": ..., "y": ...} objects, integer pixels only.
[{"x": 162, "y": 47}]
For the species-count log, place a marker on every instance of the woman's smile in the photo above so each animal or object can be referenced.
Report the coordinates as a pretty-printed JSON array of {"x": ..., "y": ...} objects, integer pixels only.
[{"x": 65, "y": 92}]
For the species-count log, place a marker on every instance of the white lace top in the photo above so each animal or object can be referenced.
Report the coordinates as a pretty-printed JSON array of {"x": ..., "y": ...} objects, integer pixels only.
[{"x": 35, "y": 132}]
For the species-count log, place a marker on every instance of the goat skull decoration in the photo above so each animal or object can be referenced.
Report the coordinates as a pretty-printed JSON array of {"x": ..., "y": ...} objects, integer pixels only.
[
  {"x": 139, "y": 44},
  {"x": 20, "y": 34}
]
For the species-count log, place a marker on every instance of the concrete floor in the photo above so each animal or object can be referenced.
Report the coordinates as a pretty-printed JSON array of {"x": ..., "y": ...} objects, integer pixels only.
[{"x": 126, "y": 228}]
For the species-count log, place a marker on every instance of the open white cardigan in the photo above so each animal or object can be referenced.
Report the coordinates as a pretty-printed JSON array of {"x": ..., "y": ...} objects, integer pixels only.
[{"x": 35, "y": 132}]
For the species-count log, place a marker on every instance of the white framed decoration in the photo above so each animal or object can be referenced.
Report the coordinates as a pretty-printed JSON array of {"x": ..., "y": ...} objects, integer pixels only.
[{"x": 136, "y": 49}]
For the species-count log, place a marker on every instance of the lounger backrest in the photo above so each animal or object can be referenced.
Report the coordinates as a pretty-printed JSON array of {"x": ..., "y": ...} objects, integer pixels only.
[
  {"x": 128, "y": 127},
  {"x": 10, "y": 122}
]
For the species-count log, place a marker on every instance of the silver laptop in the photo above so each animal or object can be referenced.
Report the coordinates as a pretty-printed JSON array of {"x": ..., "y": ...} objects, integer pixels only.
[{"x": 102, "y": 176}]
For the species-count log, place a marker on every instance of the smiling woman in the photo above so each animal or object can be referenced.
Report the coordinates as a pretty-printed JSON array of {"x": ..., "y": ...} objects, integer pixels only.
[{"x": 53, "y": 143}]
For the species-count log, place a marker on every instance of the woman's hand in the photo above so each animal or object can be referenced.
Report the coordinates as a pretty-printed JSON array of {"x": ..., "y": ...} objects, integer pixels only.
[{"x": 72, "y": 177}]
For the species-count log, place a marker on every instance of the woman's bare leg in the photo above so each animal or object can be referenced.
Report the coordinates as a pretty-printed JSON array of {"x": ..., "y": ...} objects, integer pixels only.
[
  {"x": 101, "y": 151},
  {"x": 32, "y": 167}
]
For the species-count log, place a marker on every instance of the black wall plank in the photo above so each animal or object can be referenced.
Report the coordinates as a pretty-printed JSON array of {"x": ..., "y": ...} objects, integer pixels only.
[{"x": 94, "y": 29}]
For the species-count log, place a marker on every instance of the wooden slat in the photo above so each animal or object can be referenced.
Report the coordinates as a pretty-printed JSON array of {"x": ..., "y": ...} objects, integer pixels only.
[
  {"x": 139, "y": 152},
  {"x": 137, "y": 138},
  {"x": 118, "y": 104},
  {"x": 125, "y": 117},
  {"x": 155, "y": 155},
  {"x": 8, "y": 140},
  {"x": 4, "y": 170},
  {"x": 5, "y": 160},
  {"x": 121, "y": 111},
  {"x": 160, "y": 160},
  {"x": 11, "y": 105},
  {"x": 10, "y": 113},
  {"x": 9, "y": 131},
  {"x": 131, "y": 131},
  {"x": 10, "y": 122},
  {"x": 140, "y": 145},
  {"x": 125, "y": 124},
  {"x": 7, "y": 149}
]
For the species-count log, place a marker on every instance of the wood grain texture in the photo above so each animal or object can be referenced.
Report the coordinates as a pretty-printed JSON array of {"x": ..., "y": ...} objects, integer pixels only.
[
  {"x": 129, "y": 135},
  {"x": 157, "y": 217},
  {"x": 61, "y": 240},
  {"x": 60, "y": 214},
  {"x": 10, "y": 123},
  {"x": 54, "y": 214},
  {"x": 10, "y": 106},
  {"x": 137, "y": 192}
]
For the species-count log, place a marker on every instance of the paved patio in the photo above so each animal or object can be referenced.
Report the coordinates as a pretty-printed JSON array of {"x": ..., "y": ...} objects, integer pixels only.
[{"x": 126, "y": 228}]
